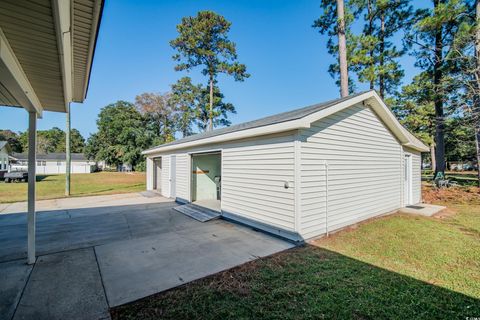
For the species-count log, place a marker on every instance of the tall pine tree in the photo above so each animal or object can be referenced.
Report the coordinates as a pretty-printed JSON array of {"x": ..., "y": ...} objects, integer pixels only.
[
  {"x": 432, "y": 37},
  {"x": 375, "y": 57}
]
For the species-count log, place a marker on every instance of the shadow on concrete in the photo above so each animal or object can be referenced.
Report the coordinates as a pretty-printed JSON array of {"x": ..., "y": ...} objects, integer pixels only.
[
  {"x": 305, "y": 283},
  {"x": 61, "y": 230}
]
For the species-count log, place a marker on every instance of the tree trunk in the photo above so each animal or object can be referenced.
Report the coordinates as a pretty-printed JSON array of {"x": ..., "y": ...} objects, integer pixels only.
[
  {"x": 438, "y": 101},
  {"x": 476, "y": 107},
  {"x": 432, "y": 157},
  {"x": 382, "y": 51},
  {"x": 210, "y": 112},
  {"x": 370, "y": 33},
  {"x": 342, "y": 49}
]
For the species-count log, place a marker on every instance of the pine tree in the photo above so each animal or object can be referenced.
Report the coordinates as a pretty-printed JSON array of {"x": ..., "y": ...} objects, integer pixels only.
[
  {"x": 375, "y": 57},
  {"x": 203, "y": 41},
  {"x": 432, "y": 38},
  {"x": 335, "y": 24}
]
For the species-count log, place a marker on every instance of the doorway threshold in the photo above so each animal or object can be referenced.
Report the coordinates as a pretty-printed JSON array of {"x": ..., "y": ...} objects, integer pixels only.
[{"x": 197, "y": 212}]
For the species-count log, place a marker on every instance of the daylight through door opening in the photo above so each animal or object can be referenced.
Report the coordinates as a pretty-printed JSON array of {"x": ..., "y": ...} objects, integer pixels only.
[{"x": 206, "y": 180}]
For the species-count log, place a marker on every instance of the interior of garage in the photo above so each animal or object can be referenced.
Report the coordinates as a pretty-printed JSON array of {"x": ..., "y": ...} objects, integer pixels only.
[{"x": 206, "y": 180}]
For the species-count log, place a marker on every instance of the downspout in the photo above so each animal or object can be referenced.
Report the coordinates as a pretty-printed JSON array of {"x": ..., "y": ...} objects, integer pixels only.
[
  {"x": 326, "y": 198},
  {"x": 297, "y": 184}
]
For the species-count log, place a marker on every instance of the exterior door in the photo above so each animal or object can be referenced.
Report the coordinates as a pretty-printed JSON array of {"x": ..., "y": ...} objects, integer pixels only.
[
  {"x": 173, "y": 176},
  {"x": 157, "y": 176},
  {"x": 407, "y": 176}
]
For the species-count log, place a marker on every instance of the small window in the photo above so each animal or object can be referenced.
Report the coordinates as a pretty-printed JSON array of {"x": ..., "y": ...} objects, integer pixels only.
[
  {"x": 59, "y": 163},
  {"x": 44, "y": 163},
  {"x": 39, "y": 163}
]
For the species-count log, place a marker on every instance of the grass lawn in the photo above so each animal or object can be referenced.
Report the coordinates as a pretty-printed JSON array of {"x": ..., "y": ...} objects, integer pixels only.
[
  {"x": 53, "y": 186},
  {"x": 395, "y": 267}
]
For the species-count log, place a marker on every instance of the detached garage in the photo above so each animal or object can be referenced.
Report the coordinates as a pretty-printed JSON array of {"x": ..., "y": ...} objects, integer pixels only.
[{"x": 298, "y": 174}]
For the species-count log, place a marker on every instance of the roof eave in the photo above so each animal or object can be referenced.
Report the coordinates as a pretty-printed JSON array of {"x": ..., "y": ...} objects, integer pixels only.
[
  {"x": 237, "y": 135},
  {"x": 97, "y": 18}
]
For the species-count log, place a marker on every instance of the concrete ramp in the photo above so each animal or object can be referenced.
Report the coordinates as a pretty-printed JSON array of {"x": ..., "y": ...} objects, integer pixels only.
[{"x": 198, "y": 213}]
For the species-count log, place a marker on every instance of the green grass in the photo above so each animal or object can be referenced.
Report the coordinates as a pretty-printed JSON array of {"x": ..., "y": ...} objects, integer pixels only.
[
  {"x": 396, "y": 267},
  {"x": 53, "y": 186}
]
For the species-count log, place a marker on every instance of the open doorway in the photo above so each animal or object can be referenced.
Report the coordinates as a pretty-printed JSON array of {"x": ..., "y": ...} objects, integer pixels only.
[
  {"x": 206, "y": 180},
  {"x": 157, "y": 174}
]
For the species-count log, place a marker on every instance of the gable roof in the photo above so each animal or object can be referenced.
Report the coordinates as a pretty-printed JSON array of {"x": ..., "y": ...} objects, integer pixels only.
[
  {"x": 3, "y": 144},
  {"x": 297, "y": 119}
]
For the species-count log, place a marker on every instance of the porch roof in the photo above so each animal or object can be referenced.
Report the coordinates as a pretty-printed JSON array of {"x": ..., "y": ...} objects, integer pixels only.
[{"x": 46, "y": 52}]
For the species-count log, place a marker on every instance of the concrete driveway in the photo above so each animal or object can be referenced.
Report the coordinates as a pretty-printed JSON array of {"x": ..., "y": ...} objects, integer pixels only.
[{"x": 100, "y": 252}]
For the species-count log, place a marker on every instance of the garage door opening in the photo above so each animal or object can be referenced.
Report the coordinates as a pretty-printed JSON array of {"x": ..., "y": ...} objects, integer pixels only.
[{"x": 206, "y": 180}]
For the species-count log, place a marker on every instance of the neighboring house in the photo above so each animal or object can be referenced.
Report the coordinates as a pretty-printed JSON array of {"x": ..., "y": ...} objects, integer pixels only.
[
  {"x": 298, "y": 174},
  {"x": 4, "y": 153},
  {"x": 125, "y": 167},
  {"x": 53, "y": 163}
]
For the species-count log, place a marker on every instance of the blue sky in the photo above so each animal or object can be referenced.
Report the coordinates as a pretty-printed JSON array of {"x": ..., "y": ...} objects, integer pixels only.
[{"x": 286, "y": 57}]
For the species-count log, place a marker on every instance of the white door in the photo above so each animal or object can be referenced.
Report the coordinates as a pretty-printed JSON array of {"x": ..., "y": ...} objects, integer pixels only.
[
  {"x": 157, "y": 175},
  {"x": 173, "y": 174},
  {"x": 407, "y": 183}
]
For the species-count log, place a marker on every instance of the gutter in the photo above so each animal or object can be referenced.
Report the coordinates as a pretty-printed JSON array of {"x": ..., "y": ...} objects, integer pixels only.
[{"x": 237, "y": 135}]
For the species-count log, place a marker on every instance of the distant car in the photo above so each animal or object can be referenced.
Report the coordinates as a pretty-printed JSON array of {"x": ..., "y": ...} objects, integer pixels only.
[{"x": 16, "y": 176}]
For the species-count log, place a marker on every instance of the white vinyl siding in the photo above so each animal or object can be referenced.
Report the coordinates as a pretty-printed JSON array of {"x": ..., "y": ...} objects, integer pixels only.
[
  {"x": 253, "y": 183},
  {"x": 254, "y": 172},
  {"x": 165, "y": 190},
  {"x": 416, "y": 175},
  {"x": 364, "y": 170},
  {"x": 183, "y": 176}
]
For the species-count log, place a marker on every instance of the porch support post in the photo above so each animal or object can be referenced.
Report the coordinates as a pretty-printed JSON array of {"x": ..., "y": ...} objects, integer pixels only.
[
  {"x": 32, "y": 162},
  {"x": 68, "y": 160}
]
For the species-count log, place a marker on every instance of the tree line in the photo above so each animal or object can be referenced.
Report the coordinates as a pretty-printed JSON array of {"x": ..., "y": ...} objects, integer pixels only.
[
  {"x": 48, "y": 141},
  {"x": 441, "y": 105}
]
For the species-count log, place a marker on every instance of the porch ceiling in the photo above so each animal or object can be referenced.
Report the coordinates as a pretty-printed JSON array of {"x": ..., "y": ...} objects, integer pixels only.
[{"x": 54, "y": 62}]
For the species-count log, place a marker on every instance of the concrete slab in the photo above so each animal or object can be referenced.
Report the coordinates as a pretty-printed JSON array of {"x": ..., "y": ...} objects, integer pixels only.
[
  {"x": 13, "y": 277},
  {"x": 136, "y": 268},
  {"x": 112, "y": 200},
  {"x": 79, "y": 228},
  {"x": 142, "y": 246},
  {"x": 423, "y": 209},
  {"x": 64, "y": 285}
]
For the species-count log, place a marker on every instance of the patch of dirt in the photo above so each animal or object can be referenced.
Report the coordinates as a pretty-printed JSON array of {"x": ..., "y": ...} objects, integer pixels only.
[
  {"x": 446, "y": 213},
  {"x": 457, "y": 195}
]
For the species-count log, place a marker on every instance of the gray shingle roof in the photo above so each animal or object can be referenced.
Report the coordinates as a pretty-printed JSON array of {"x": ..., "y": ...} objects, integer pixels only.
[
  {"x": 274, "y": 119},
  {"x": 51, "y": 156},
  {"x": 2, "y": 144}
]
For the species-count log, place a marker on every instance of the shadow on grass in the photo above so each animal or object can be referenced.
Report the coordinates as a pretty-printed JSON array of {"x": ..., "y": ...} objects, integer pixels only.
[{"x": 304, "y": 283}]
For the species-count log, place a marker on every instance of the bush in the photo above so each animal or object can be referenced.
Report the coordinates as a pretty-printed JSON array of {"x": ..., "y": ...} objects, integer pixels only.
[{"x": 141, "y": 166}]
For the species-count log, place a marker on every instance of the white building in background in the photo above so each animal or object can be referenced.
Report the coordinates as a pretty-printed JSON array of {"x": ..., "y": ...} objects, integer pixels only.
[
  {"x": 4, "y": 152},
  {"x": 53, "y": 163}
]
